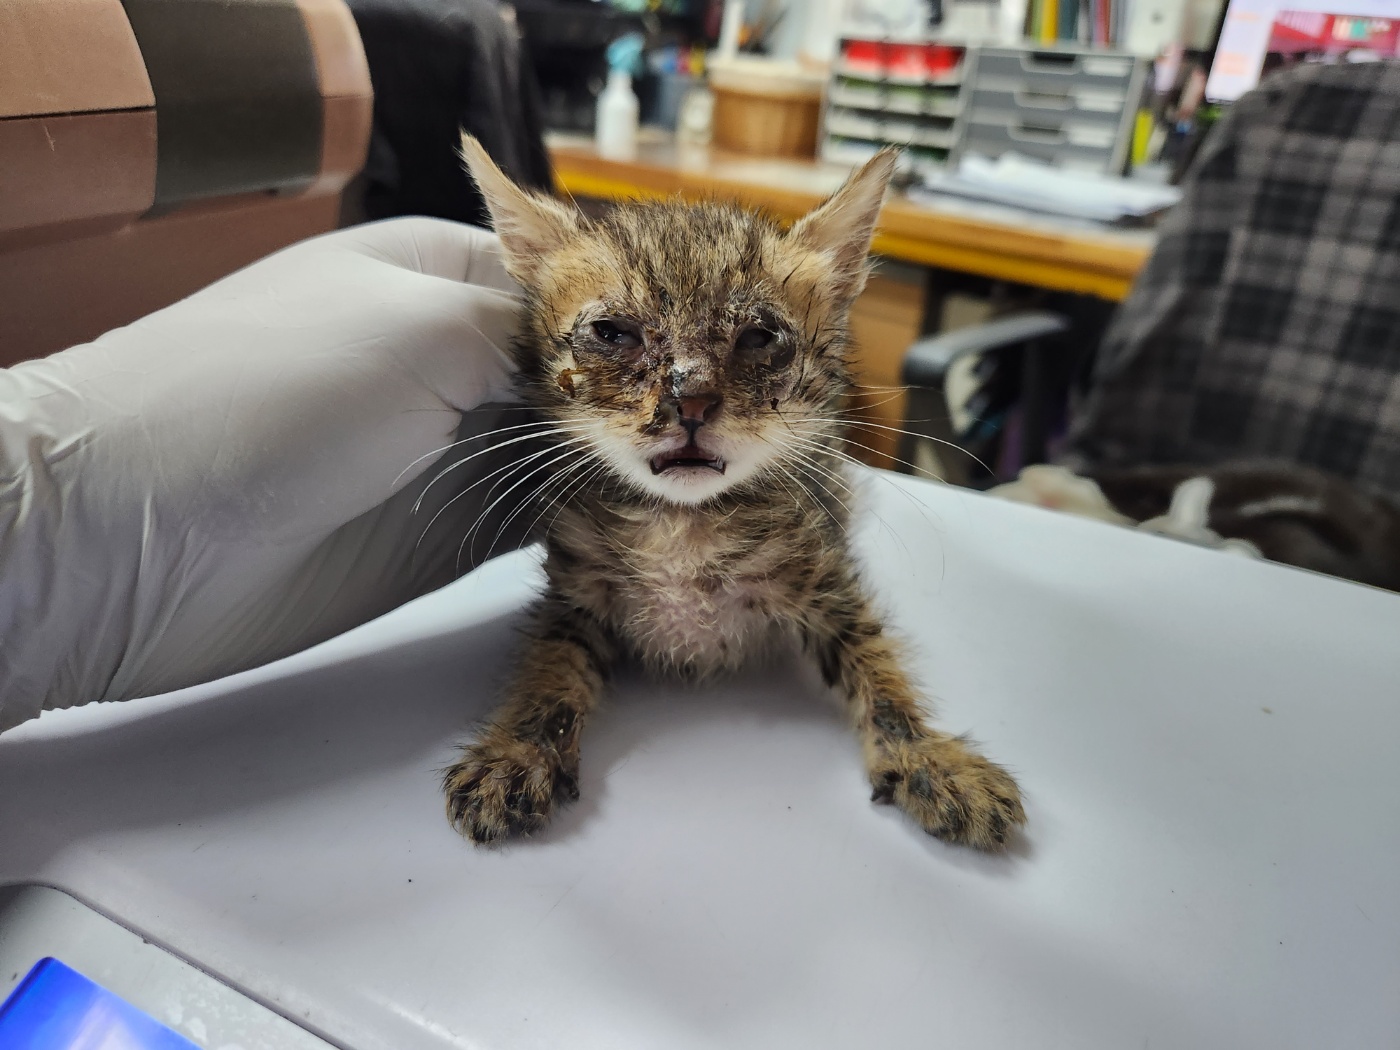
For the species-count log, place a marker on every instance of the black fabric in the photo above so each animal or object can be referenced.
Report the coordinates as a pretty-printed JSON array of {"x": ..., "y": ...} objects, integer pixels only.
[
  {"x": 439, "y": 66},
  {"x": 1267, "y": 321},
  {"x": 238, "y": 103}
]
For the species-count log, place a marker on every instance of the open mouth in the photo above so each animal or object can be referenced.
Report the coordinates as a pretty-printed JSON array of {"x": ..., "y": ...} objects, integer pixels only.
[{"x": 690, "y": 457}]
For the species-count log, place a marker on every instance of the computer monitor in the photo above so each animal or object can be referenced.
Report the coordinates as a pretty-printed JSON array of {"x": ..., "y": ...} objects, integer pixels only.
[{"x": 1257, "y": 36}]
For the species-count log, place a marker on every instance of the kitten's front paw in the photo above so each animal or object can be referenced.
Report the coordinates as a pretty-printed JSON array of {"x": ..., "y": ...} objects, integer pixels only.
[
  {"x": 504, "y": 787},
  {"x": 952, "y": 791}
]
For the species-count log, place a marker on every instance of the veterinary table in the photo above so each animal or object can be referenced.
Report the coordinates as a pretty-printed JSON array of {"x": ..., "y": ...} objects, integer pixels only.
[{"x": 1207, "y": 745}]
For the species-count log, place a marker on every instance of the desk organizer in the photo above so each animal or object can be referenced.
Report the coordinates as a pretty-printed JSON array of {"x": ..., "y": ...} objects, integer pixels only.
[
  {"x": 1068, "y": 106},
  {"x": 895, "y": 93},
  {"x": 1071, "y": 107}
]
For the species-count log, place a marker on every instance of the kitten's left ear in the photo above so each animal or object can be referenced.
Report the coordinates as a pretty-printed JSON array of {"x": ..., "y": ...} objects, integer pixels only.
[
  {"x": 530, "y": 225},
  {"x": 841, "y": 228}
]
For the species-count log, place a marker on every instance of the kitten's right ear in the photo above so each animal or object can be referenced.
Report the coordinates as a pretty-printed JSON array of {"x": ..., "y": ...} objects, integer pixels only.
[{"x": 531, "y": 226}]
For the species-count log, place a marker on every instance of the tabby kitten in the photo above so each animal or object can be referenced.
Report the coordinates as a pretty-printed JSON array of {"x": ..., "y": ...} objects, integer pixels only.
[{"x": 693, "y": 360}]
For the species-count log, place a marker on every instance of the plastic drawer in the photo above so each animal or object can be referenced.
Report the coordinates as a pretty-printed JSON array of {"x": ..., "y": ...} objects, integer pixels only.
[
  {"x": 1055, "y": 70},
  {"x": 1064, "y": 145},
  {"x": 842, "y": 150},
  {"x": 935, "y": 101},
  {"x": 893, "y": 129},
  {"x": 1095, "y": 106}
]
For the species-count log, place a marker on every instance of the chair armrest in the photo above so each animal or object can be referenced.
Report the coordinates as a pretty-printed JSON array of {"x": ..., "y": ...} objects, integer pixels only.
[{"x": 927, "y": 361}]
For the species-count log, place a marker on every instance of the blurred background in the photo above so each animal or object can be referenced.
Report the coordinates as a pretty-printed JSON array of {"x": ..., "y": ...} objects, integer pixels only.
[{"x": 1127, "y": 235}]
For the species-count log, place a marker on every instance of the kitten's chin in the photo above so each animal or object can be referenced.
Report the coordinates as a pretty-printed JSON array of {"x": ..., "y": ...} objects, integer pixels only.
[{"x": 687, "y": 484}]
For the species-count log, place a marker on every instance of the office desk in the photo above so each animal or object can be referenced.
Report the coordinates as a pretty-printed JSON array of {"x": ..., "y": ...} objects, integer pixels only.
[
  {"x": 1206, "y": 745},
  {"x": 1001, "y": 243}
]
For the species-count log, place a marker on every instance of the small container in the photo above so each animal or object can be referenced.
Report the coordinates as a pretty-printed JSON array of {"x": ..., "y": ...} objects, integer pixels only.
[
  {"x": 695, "y": 122},
  {"x": 670, "y": 91},
  {"x": 617, "y": 118},
  {"x": 766, "y": 108}
]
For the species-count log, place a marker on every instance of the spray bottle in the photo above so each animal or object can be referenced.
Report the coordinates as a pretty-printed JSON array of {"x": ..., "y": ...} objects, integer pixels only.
[{"x": 616, "y": 127}]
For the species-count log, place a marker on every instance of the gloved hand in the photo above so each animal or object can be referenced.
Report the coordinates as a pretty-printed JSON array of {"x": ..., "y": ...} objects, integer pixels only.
[{"x": 233, "y": 478}]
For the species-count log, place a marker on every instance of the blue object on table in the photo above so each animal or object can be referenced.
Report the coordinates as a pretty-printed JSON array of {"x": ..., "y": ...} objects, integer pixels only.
[
  {"x": 625, "y": 54},
  {"x": 57, "y": 1008}
]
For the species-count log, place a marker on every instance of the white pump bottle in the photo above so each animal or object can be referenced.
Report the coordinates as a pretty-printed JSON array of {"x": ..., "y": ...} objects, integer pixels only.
[{"x": 617, "y": 117}]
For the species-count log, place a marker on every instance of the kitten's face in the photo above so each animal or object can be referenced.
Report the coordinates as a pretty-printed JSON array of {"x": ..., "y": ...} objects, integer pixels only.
[
  {"x": 689, "y": 347},
  {"x": 668, "y": 338}
]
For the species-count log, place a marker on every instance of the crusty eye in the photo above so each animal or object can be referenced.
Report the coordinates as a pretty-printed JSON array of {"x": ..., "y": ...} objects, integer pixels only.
[
  {"x": 617, "y": 335},
  {"x": 754, "y": 339}
]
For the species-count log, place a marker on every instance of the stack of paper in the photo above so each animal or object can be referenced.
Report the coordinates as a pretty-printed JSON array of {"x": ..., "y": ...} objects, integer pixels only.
[{"x": 1024, "y": 183}]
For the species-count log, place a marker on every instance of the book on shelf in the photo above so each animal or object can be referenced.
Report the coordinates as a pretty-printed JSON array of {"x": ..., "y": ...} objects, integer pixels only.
[{"x": 1091, "y": 22}]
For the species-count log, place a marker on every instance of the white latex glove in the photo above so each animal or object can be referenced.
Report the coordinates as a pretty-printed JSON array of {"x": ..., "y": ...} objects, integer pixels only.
[{"x": 228, "y": 480}]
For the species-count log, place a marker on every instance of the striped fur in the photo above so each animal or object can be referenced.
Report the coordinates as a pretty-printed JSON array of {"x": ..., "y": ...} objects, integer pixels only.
[{"x": 733, "y": 346}]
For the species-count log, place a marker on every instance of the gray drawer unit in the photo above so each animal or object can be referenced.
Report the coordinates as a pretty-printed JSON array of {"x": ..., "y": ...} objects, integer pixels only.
[
  {"x": 1083, "y": 106},
  {"x": 1072, "y": 107},
  {"x": 1058, "y": 67},
  {"x": 1065, "y": 146}
]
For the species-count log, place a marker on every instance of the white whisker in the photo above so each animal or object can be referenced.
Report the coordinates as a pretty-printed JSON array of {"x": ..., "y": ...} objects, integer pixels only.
[
  {"x": 563, "y": 501},
  {"x": 543, "y": 425},
  {"x": 560, "y": 479},
  {"x": 514, "y": 464},
  {"x": 899, "y": 430},
  {"x": 481, "y": 518},
  {"x": 917, "y": 470},
  {"x": 553, "y": 446},
  {"x": 536, "y": 435},
  {"x": 880, "y": 475}
]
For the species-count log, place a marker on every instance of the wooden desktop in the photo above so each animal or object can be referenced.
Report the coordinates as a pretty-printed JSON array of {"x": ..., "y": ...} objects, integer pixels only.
[{"x": 990, "y": 241}]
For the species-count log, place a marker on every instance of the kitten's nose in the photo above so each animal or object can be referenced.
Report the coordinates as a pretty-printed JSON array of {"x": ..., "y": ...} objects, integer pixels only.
[{"x": 695, "y": 411}]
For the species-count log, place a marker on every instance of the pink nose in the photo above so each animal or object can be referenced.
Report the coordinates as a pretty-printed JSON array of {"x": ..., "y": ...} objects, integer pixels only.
[{"x": 698, "y": 409}]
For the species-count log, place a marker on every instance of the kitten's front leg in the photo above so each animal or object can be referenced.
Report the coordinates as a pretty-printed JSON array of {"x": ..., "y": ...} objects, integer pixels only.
[
  {"x": 946, "y": 786},
  {"x": 526, "y": 759}
]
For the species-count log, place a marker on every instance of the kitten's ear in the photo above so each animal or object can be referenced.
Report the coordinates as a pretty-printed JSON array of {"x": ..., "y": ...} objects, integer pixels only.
[
  {"x": 841, "y": 229},
  {"x": 531, "y": 226}
]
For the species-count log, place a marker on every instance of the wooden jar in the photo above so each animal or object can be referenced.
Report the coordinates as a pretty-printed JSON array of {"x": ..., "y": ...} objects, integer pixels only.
[{"x": 765, "y": 108}]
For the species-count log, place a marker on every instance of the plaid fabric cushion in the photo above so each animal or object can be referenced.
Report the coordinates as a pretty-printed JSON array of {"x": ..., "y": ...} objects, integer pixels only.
[{"x": 1267, "y": 322}]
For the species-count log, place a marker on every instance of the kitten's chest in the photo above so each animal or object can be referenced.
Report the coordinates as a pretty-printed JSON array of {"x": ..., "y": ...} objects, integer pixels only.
[{"x": 695, "y": 596}]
